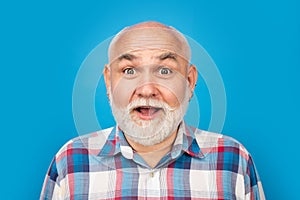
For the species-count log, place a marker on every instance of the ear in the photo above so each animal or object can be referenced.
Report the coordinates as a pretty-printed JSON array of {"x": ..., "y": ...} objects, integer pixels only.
[
  {"x": 192, "y": 77},
  {"x": 106, "y": 74}
]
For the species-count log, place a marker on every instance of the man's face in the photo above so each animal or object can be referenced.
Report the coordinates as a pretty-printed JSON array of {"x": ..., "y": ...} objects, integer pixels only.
[
  {"x": 156, "y": 74},
  {"x": 149, "y": 88}
]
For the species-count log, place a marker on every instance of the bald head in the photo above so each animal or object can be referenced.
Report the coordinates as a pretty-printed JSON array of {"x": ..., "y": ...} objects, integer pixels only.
[
  {"x": 148, "y": 24},
  {"x": 149, "y": 35}
]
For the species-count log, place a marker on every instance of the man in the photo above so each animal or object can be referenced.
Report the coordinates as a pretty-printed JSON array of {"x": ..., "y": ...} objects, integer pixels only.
[{"x": 151, "y": 153}]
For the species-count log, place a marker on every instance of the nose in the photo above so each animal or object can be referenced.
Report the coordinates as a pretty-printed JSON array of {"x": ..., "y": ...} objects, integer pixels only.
[{"x": 147, "y": 90}]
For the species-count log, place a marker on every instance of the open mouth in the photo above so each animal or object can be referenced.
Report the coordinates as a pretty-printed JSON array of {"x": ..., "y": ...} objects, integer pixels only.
[{"x": 147, "y": 112}]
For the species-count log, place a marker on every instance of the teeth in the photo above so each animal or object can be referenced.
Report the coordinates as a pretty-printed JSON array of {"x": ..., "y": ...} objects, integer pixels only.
[{"x": 147, "y": 110}]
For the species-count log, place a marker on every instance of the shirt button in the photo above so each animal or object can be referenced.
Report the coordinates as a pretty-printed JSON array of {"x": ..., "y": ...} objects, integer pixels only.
[{"x": 151, "y": 174}]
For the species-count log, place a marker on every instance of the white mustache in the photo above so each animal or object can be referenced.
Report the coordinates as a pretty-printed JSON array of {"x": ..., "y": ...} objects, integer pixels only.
[{"x": 149, "y": 102}]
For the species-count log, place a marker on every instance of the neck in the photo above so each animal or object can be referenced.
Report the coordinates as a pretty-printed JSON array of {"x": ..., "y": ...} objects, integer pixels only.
[{"x": 154, "y": 153}]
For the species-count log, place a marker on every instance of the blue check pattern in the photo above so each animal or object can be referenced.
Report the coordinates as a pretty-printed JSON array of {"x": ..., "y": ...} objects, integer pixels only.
[{"x": 201, "y": 165}]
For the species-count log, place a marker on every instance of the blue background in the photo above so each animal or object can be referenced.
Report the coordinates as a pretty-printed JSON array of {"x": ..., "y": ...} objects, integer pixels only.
[{"x": 255, "y": 44}]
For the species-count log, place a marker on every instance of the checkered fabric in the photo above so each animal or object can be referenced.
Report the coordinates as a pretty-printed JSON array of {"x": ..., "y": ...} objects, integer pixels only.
[{"x": 201, "y": 165}]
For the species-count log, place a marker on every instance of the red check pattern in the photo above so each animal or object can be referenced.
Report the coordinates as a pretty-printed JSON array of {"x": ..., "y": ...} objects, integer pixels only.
[{"x": 201, "y": 165}]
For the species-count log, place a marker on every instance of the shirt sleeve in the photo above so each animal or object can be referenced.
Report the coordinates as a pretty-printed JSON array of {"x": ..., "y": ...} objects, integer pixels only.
[
  {"x": 254, "y": 189},
  {"x": 51, "y": 188}
]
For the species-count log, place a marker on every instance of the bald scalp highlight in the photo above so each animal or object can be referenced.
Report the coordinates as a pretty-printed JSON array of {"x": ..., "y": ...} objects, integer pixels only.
[{"x": 149, "y": 35}]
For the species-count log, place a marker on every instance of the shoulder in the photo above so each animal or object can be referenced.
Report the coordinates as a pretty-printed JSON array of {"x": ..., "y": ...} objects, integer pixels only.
[
  {"x": 211, "y": 142},
  {"x": 230, "y": 157},
  {"x": 90, "y": 142},
  {"x": 81, "y": 147}
]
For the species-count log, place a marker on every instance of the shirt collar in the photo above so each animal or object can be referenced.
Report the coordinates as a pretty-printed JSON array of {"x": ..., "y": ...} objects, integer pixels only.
[
  {"x": 184, "y": 142},
  {"x": 112, "y": 144}
]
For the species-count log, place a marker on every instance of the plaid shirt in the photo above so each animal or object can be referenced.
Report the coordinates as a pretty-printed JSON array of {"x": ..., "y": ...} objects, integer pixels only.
[{"x": 201, "y": 165}]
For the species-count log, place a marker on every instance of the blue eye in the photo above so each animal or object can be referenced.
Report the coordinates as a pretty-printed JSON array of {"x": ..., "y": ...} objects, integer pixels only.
[
  {"x": 165, "y": 71},
  {"x": 129, "y": 71}
]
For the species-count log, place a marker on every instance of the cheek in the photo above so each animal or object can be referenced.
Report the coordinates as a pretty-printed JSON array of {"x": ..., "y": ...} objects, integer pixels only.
[
  {"x": 122, "y": 91},
  {"x": 174, "y": 94},
  {"x": 174, "y": 90}
]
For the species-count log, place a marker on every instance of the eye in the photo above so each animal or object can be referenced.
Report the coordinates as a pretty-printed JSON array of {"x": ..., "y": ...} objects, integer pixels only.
[
  {"x": 129, "y": 71},
  {"x": 165, "y": 71}
]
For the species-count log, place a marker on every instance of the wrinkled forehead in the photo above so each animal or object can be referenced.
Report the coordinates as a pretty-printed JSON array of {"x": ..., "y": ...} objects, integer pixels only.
[{"x": 166, "y": 39}]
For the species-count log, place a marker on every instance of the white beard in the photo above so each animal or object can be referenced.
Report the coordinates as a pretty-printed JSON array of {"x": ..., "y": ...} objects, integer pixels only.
[{"x": 150, "y": 132}]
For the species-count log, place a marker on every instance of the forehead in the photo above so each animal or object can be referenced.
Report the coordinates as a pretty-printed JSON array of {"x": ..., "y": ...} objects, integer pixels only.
[
  {"x": 142, "y": 39},
  {"x": 148, "y": 54}
]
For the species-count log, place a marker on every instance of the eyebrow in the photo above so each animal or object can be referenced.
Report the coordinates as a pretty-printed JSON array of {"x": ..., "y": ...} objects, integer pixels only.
[
  {"x": 164, "y": 56},
  {"x": 168, "y": 55},
  {"x": 127, "y": 56}
]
